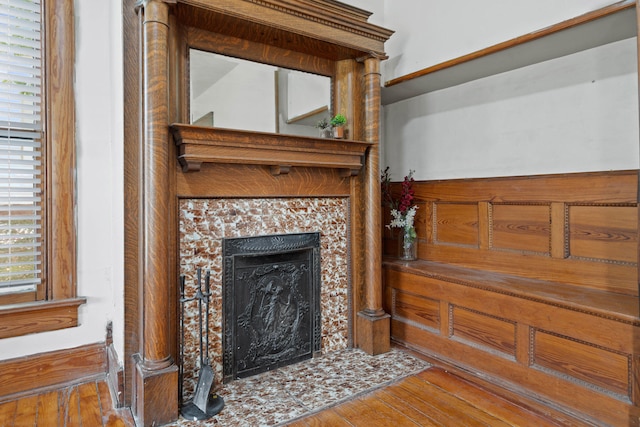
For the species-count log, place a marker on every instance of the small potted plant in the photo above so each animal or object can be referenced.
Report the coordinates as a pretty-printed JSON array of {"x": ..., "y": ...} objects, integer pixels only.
[
  {"x": 324, "y": 127},
  {"x": 338, "y": 121}
]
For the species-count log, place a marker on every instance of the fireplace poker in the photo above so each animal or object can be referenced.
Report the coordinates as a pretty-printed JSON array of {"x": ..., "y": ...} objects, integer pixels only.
[
  {"x": 207, "y": 299},
  {"x": 181, "y": 365},
  {"x": 200, "y": 296},
  {"x": 204, "y": 404}
]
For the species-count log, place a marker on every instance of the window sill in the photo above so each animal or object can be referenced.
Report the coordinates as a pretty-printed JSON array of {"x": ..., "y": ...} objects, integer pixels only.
[{"x": 41, "y": 316}]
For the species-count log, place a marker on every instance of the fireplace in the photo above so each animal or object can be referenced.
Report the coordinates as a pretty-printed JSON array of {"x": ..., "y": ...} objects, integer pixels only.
[
  {"x": 244, "y": 179},
  {"x": 205, "y": 226},
  {"x": 271, "y": 302}
]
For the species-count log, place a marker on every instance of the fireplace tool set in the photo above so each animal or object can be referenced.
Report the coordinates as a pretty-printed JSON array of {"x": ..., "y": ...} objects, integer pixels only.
[{"x": 204, "y": 404}]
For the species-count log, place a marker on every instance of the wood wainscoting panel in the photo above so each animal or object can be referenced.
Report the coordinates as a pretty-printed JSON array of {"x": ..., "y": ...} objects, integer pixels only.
[
  {"x": 36, "y": 372},
  {"x": 573, "y": 347},
  {"x": 606, "y": 233},
  {"x": 604, "y": 319},
  {"x": 583, "y": 361},
  {"x": 538, "y": 277},
  {"x": 525, "y": 228},
  {"x": 607, "y": 187},
  {"x": 456, "y": 224},
  {"x": 578, "y": 229},
  {"x": 490, "y": 332},
  {"x": 417, "y": 309}
]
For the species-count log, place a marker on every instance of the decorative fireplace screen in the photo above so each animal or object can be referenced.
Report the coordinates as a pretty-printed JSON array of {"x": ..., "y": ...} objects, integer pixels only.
[{"x": 271, "y": 302}]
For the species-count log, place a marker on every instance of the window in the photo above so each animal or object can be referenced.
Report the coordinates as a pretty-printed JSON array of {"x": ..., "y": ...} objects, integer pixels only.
[
  {"x": 20, "y": 149},
  {"x": 37, "y": 167}
]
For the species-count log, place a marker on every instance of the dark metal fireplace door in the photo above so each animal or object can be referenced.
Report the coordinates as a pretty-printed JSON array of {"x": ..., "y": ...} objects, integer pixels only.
[{"x": 271, "y": 302}]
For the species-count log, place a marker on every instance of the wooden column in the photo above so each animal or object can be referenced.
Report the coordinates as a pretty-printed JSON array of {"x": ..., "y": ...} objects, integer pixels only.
[
  {"x": 347, "y": 100},
  {"x": 156, "y": 375},
  {"x": 635, "y": 365},
  {"x": 373, "y": 324},
  {"x": 347, "y": 94}
]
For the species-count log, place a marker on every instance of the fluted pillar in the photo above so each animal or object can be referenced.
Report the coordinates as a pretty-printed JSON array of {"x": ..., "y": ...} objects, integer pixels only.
[
  {"x": 156, "y": 379},
  {"x": 373, "y": 323}
]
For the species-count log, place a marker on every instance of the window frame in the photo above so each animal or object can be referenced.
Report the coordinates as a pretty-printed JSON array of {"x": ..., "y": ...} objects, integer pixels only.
[{"x": 57, "y": 301}]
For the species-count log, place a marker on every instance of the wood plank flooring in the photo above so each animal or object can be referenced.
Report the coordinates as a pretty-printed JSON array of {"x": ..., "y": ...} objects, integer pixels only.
[
  {"x": 433, "y": 397},
  {"x": 82, "y": 405}
]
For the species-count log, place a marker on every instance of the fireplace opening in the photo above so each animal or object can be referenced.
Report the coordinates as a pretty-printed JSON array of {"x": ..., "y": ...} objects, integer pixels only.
[{"x": 271, "y": 302}]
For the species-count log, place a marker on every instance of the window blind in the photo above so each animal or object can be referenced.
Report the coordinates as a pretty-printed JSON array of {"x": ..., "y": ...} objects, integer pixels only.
[{"x": 21, "y": 139}]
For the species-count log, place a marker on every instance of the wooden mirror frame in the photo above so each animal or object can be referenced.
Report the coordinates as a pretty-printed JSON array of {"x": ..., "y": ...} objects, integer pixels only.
[{"x": 321, "y": 36}]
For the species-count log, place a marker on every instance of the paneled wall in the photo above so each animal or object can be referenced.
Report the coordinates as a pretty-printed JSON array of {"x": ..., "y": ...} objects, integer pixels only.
[
  {"x": 579, "y": 229},
  {"x": 530, "y": 282},
  {"x": 577, "y": 353}
]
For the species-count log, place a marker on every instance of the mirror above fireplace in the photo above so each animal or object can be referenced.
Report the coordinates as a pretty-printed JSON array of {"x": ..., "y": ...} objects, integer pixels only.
[{"x": 235, "y": 93}]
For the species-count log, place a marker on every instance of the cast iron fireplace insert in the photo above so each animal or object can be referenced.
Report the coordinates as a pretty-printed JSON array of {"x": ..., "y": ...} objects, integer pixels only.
[{"x": 271, "y": 302}]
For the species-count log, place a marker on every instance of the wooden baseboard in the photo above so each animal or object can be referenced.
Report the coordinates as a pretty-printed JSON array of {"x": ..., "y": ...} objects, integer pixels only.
[
  {"x": 27, "y": 374},
  {"x": 115, "y": 374}
]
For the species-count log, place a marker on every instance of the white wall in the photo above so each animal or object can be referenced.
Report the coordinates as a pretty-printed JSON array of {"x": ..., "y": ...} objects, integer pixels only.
[
  {"x": 429, "y": 32},
  {"x": 306, "y": 92},
  {"x": 244, "y": 98},
  {"x": 573, "y": 114},
  {"x": 99, "y": 91},
  {"x": 376, "y": 7}
]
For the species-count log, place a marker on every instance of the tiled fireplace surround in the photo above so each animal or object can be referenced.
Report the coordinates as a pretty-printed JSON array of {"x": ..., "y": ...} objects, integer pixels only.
[{"x": 203, "y": 223}]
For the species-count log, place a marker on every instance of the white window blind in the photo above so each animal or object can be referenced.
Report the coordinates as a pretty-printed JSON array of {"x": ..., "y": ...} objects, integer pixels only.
[{"x": 20, "y": 145}]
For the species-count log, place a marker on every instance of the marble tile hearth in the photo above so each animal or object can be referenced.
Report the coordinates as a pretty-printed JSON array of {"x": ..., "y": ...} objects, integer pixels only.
[{"x": 280, "y": 396}]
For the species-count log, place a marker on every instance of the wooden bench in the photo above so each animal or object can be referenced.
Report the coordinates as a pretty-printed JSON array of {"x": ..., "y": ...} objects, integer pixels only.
[{"x": 530, "y": 283}]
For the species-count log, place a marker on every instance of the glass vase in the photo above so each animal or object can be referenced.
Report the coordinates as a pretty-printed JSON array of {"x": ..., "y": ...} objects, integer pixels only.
[{"x": 407, "y": 245}]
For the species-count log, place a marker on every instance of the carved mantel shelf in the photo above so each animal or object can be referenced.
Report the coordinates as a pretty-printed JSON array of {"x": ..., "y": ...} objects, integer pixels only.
[{"x": 197, "y": 145}]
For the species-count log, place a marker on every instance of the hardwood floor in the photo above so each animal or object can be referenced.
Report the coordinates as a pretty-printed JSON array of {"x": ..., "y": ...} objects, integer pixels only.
[
  {"x": 433, "y": 397},
  {"x": 82, "y": 405}
]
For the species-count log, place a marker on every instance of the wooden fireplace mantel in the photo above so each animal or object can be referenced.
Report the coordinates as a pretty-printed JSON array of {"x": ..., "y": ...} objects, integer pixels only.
[
  {"x": 324, "y": 37},
  {"x": 198, "y": 145}
]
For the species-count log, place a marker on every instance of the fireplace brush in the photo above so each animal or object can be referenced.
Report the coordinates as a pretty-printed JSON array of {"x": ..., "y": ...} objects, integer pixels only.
[{"x": 204, "y": 404}]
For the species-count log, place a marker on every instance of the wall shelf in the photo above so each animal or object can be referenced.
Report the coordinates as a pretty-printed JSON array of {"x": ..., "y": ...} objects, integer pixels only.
[
  {"x": 198, "y": 145},
  {"x": 606, "y": 25}
]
